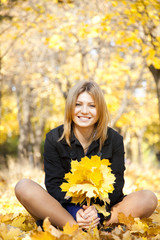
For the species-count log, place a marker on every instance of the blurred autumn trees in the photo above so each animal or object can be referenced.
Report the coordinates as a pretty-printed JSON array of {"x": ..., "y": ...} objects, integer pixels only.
[{"x": 48, "y": 45}]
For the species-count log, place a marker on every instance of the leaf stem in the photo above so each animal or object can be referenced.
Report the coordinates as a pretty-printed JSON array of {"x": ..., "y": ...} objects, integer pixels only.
[{"x": 88, "y": 201}]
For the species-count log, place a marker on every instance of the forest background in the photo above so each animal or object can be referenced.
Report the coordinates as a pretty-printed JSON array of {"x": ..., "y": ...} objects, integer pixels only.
[{"x": 46, "y": 47}]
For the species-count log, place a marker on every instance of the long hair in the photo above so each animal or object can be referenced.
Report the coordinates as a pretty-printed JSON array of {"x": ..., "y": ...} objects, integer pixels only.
[{"x": 101, "y": 126}]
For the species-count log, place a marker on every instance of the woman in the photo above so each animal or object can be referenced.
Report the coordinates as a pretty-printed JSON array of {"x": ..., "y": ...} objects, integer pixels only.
[{"x": 85, "y": 132}]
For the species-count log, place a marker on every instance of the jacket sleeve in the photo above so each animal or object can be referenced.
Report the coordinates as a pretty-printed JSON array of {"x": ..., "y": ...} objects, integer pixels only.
[
  {"x": 118, "y": 168},
  {"x": 54, "y": 170}
]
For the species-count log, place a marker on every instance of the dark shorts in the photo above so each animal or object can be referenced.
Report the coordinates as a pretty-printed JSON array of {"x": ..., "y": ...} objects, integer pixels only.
[{"x": 72, "y": 208}]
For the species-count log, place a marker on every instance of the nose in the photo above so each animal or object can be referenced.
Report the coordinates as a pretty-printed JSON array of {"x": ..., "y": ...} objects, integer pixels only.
[{"x": 84, "y": 109}]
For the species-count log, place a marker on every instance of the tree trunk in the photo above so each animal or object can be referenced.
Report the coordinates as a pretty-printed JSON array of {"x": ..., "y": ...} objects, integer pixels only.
[
  {"x": 127, "y": 144},
  {"x": 156, "y": 75},
  {"x": 39, "y": 128},
  {"x": 31, "y": 132},
  {"x": 139, "y": 136},
  {"x": 23, "y": 120},
  {"x": 0, "y": 90}
]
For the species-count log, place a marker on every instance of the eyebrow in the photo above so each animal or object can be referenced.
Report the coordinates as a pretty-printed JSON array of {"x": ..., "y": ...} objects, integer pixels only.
[{"x": 82, "y": 102}]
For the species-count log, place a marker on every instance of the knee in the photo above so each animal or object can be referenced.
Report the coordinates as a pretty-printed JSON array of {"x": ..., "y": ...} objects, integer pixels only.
[
  {"x": 22, "y": 189},
  {"x": 150, "y": 200}
]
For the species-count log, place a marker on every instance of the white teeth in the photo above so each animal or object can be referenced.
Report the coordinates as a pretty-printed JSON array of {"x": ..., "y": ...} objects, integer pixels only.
[{"x": 84, "y": 117}]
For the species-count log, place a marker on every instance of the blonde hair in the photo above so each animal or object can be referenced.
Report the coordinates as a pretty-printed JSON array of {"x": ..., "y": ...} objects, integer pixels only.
[{"x": 101, "y": 126}]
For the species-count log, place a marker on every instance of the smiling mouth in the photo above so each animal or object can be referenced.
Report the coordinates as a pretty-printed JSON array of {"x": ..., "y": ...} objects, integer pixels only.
[{"x": 85, "y": 118}]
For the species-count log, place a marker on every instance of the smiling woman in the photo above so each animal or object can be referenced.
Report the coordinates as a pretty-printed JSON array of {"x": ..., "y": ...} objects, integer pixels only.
[
  {"x": 85, "y": 132},
  {"x": 85, "y": 112},
  {"x": 84, "y": 118}
]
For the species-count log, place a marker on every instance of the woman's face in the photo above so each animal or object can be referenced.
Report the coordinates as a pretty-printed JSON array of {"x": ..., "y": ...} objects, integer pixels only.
[{"x": 85, "y": 112}]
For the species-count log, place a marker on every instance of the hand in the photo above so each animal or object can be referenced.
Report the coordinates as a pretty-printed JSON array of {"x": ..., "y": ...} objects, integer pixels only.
[{"x": 87, "y": 217}]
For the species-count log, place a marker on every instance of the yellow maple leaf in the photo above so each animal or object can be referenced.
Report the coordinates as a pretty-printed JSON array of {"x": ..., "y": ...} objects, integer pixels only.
[
  {"x": 42, "y": 236},
  {"x": 155, "y": 218},
  {"x": 154, "y": 231},
  {"x": 17, "y": 222},
  {"x": 46, "y": 225},
  {"x": 51, "y": 229},
  {"x": 96, "y": 177},
  {"x": 128, "y": 221},
  {"x": 6, "y": 217},
  {"x": 139, "y": 226},
  {"x": 9, "y": 234},
  {"x": 89, "y": 178},
  {"x": 79, "y": 200},
  {"x": 101, "y": 209},
  {"x": 87, "y": 189},
  {"x": 70, "y": 230}
]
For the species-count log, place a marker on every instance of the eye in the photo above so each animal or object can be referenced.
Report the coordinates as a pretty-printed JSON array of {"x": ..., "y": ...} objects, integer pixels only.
[
  {"x": 92, "y": 106},
  {"x": 78, "y": 104}
]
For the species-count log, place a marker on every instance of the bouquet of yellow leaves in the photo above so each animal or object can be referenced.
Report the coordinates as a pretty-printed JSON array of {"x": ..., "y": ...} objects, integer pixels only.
[{"x": 89, "y": 178}]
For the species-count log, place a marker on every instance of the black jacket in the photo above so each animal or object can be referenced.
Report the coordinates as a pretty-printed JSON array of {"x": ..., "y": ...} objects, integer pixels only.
[{"x": 58, "y": 155}]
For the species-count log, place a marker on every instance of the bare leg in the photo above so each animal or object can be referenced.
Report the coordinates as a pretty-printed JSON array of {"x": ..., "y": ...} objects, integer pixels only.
[
  {"x": 40, "y": 204},
  {"x": 139, "y": 204}
]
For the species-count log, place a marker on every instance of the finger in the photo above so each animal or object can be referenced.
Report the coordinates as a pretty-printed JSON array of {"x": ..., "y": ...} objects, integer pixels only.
[
  {"x": 91, "y": 215},
  {"x": 90, "y": 210},
  {"x": 87, "y": 215},
  {"x": 96, "y": 221},
  {"x": 86, "y": 222},
  {"x": 85, "y": 207},
  {"x": 89, "y": 207},
  {"x": 81, "y": 224},
  {"x": 85, "y": 219},
  {"x": 81, "y": 213},
  {"x": 94, "y": 225},
  {"x": 84, "y": 226}
]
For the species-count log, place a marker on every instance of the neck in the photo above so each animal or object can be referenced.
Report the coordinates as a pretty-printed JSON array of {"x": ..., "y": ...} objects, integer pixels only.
[{"x": 84, "y": 135}]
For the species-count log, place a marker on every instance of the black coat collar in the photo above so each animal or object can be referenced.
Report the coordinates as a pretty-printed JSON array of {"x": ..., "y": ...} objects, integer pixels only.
[{"x": 74, "y": 141}]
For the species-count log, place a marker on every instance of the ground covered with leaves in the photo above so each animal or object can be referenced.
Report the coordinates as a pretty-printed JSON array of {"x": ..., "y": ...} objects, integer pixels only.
[{"x": 16, "y": 223}]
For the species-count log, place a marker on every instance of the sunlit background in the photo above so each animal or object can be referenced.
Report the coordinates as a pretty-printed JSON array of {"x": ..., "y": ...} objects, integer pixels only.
[{"x": 48, "y": 45}]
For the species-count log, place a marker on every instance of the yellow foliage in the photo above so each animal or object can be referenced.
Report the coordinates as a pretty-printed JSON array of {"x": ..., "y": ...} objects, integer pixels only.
[
  {"x": 6, "y": 217},
  {"x": 83, "y": 31},
  {"x": 56, "y": 42},
  {"x": 114, "y": 3},
  {"x": 101, "y": 209},
  {"x": 9, "y": 234},
  {"x": 128, "y": 221},
  {"x": 24, "y": 225},
  {"x": 80, "y": 28},
  {"x": 70, "y": 230},
  {"x": 89, "y": 178},
  {"x": 17, "y": 222},
  {"x": 9, "y": 123},
  {"x": 42, "y": 236},
  {"x": 139, "y": 226},
  {"x": 156, "y": 218},
  {"x": 46, "y": 225},
  {"x": 51, "y": 229}
]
